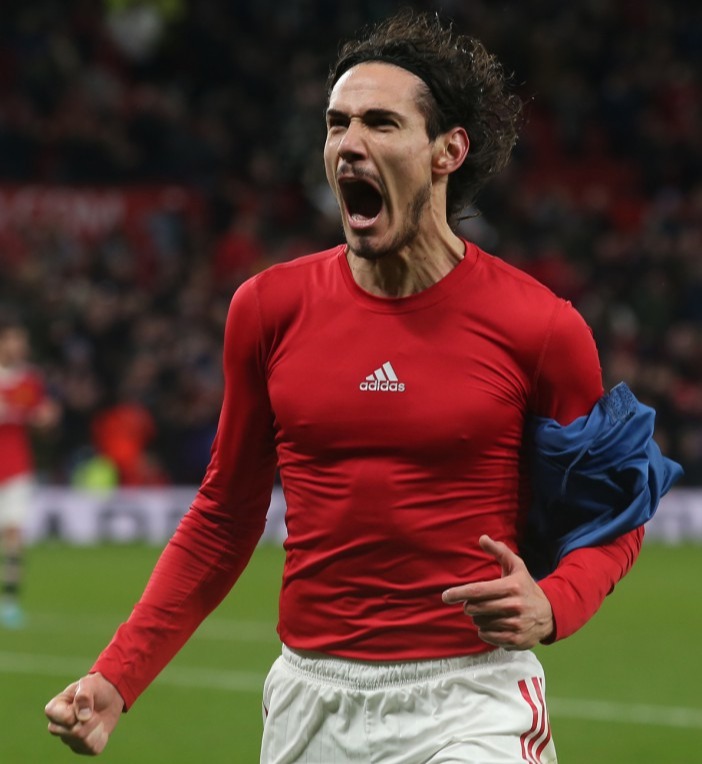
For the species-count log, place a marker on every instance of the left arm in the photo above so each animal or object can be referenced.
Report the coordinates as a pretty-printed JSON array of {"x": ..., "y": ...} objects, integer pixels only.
[
  {"x": 514, "y": 611},
  {"x": 583, "y": 579}
]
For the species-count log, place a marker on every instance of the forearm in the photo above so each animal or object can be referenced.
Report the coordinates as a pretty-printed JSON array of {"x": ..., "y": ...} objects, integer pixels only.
[
  {"x": 583, "y": 578},
  {"x": 195, "y": 572}
]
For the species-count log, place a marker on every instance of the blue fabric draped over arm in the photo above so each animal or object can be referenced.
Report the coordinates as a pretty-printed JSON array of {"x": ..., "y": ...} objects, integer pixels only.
[{"x": 594, "y": 479}]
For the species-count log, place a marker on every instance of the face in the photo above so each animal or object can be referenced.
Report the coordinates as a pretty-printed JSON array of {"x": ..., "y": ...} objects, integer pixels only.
[
  {"x": 14, "y": 345},
  {"x": 378, "y": 158}
]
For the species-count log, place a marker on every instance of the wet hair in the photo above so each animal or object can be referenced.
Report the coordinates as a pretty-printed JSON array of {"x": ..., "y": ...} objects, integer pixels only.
[{"x": 465, "y": 86}]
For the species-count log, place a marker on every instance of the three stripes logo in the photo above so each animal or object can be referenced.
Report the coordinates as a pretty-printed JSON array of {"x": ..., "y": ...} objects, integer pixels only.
[
  {"x": 383, "y": 380},
  {"x": 535, "y": 740}
]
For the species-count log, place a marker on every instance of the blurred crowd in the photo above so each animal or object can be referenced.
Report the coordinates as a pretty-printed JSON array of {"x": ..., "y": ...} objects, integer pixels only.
[{"x": 223, "y": 100}]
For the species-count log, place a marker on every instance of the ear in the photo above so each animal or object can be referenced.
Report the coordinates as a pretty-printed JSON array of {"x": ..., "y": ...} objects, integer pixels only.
[{"x": 450, "y": 150}]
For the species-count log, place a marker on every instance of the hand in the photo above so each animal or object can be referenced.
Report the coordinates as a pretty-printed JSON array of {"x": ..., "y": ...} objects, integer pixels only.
[
  {"x": 85, "y": 714},
  {"x": 512, "y": 611}
]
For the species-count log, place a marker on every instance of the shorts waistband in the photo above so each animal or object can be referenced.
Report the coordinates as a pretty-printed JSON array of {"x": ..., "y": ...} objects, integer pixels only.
[{"x": 370, "y": 675}]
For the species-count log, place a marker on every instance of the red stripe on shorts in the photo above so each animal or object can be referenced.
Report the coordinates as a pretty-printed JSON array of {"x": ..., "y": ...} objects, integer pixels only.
[
  {"x": 536, "y": 738},
  {"x": 538, "y": 685},
  {"x": 525, "y": 737}
]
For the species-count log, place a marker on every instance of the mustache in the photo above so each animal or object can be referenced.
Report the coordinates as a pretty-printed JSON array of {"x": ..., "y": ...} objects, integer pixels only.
[
  {"x": 345, "y": 171},
  {"x": 358, "y": 173}
]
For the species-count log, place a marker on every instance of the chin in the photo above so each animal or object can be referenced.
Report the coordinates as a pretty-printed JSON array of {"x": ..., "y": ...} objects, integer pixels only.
[
  {"x": 366, "y": 247},
  {"x": 366, "y": 250}
]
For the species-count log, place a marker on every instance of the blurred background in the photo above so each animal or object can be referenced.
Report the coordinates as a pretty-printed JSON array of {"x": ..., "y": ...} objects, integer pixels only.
[{"x": 155, "y": 154}]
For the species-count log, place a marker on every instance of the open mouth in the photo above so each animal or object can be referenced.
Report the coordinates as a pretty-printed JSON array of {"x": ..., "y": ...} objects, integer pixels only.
[{"x": 362, "y": 200}]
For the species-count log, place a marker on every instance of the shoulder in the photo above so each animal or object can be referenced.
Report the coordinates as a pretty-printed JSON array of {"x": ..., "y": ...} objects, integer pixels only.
[
  {"x": 521, "y": 305},
  {"x": 280, "y": 290},
  {"x": 548, "y": 335},
  {"x": 24, "y": 375},
  {"x": 514, "y": 282},
  {"x": 305, "y": 271}
]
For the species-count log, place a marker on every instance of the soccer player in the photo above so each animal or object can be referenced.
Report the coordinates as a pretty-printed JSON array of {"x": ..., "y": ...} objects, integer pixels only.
[
  {"x": 23, "y": 404},
  {"x": 393, "y": 380}
]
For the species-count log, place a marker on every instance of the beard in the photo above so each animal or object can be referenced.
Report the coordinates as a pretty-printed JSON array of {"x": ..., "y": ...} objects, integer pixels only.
[{"x": 366, "y": 250}]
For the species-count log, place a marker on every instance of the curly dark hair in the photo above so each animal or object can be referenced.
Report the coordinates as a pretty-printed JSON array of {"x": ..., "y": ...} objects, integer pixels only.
[{"x": 465, "y": 85}]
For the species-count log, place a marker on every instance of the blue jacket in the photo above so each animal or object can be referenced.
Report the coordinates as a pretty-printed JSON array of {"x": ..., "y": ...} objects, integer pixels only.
[{"x": 594, "y": 479}]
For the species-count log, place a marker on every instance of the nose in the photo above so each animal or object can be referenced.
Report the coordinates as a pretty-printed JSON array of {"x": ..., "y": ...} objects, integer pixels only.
[{"x": 352, "y": 145}]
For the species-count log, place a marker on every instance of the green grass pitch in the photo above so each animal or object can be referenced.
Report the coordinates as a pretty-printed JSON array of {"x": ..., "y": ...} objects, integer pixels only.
[{"x": 624, "y": 690}]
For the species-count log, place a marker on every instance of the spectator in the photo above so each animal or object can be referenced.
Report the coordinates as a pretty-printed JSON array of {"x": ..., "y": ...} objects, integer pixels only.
[
  {"x": 24, "y": 403},
  {"x": 609, "y": 168}
]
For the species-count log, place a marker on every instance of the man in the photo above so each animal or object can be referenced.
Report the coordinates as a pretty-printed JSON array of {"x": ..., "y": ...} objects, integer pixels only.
[
  {"x": 392, "y": 381},
  {"x": 23, "y": 404}
]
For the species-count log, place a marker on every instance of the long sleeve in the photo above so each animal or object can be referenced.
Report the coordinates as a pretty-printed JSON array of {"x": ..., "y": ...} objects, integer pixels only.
[
  {"x": 217, "y": 536},
  {"x": 582, "y": 580},
  {"x": 568, "y": 386}
]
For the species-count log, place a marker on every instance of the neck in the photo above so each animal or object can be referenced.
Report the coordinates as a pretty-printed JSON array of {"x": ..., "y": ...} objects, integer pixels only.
[{"x": 410, "y": 270}]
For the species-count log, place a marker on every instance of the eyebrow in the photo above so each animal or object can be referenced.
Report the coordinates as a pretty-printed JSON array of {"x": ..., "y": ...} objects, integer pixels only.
[{"x": 376, "y": 113}]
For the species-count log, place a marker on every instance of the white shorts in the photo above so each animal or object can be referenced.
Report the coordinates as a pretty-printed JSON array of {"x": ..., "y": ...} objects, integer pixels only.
[
  {"x": 15, "y": 495},
  {"x": 488, "y": 709}
]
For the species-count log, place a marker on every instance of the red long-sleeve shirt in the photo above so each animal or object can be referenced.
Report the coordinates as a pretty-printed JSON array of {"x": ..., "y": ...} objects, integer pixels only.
[
  {"x": 21, "y": 394},
  {"x": 398, "y": 428}
]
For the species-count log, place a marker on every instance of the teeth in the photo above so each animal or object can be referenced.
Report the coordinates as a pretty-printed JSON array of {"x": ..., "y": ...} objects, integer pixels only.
[{"x": 358, "y": 218}]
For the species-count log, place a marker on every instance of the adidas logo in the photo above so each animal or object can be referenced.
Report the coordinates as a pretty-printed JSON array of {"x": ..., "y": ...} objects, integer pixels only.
[{"x": 383, "y": 379}]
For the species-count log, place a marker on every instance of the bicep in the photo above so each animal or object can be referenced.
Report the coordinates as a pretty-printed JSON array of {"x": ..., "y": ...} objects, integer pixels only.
[
  {"x": 568, "y": 381},
  {"x": 242, "y": 465}
]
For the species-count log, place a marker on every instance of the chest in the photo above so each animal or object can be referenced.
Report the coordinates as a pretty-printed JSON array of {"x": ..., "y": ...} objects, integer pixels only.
[
  {"x": 18, "y": 391},
  {"x": 432, "y": 382}
]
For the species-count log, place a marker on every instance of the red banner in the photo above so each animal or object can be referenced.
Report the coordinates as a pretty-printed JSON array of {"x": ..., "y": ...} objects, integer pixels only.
[{"x": 93, "y": 212}]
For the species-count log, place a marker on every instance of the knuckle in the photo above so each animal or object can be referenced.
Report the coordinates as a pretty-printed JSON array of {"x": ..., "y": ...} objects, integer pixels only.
[{"x": 512, "y": 641}]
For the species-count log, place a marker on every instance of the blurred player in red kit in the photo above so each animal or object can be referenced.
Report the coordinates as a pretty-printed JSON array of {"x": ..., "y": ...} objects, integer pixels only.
[
  {"x": 394, "y": 380},
  {"x": 23, "y": 404}
]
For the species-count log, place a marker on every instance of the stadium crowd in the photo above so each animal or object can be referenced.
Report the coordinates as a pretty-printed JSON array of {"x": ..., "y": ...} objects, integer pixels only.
[{"x": 223, "y": 100}]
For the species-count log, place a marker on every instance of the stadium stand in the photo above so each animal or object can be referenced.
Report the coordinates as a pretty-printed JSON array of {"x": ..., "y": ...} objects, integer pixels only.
[{"x": 153, "y": 155}]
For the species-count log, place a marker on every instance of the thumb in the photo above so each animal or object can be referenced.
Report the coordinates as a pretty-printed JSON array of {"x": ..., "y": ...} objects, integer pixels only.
[
  {"x": 508, "y": 560},
  {"x": 83, "y": 702}
]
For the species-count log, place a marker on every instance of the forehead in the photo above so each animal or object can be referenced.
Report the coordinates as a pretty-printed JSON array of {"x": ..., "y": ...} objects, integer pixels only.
[{"x": 376, "y": 85}]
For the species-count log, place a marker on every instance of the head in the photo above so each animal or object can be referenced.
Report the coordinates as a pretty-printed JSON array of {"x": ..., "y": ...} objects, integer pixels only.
[
  {"x": 14, "y": 341},
  {"x": 454, "y": 102}
]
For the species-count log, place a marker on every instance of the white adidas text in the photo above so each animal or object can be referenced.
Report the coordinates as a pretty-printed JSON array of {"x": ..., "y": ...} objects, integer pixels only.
[
  {"x": 384, "y": 380},
  {"x": 392, "y": 387}
]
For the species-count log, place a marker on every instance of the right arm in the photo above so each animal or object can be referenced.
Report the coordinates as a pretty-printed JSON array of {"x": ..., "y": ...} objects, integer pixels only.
[
  {"x": 215, "y": 539},
  {"x": 85, "y": 713}
]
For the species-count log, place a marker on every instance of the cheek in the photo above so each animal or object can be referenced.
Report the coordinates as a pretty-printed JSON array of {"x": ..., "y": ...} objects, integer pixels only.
[
  {"x": 330, "y": 164},
  {"x": 407, "y": 180}
]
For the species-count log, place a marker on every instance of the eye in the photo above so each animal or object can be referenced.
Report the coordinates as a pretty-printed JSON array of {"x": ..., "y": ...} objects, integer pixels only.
[
  {"x": 382, "y": 119},
  {"x": 383, "y": 123},
  {"x": 336, "y": 121}
]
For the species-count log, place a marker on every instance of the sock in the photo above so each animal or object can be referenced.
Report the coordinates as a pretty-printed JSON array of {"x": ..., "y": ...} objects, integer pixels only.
[{"x": 13, "y": 569}]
